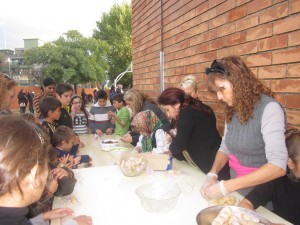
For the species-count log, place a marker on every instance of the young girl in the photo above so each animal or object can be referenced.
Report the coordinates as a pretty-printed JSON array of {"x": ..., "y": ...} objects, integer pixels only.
[
  {"x": 79, "y": 115},
  {"x": 284, "y": 192},
  {"x": 152, "y": 137}
]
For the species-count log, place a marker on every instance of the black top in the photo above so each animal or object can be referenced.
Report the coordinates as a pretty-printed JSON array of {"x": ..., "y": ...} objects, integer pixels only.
[
  {"x": 283, "y": 193},
  {"x": 50, "y": 128},
  {"x": 13, "y": 216},
  {"x": 65, "y": 118},
  {"x": 197, "y": 133}
]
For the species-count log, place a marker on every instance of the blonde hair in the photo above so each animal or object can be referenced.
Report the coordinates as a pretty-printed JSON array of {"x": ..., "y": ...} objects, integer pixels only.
[
  {"x": 189, "y": 82},
  {"x": 137, "y": 98}
]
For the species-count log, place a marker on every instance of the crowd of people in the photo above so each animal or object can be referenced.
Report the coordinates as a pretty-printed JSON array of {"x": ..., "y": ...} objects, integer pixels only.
[{"x": 256, "y": 156}]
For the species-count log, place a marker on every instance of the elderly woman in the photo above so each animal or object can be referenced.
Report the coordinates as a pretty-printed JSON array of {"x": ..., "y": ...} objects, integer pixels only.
[
  {"x": 253, "y": 141},
  {"x": 197, "y": 133},
  {"x": 137, "y": 102},
  {"x": 189, "y": 86}
]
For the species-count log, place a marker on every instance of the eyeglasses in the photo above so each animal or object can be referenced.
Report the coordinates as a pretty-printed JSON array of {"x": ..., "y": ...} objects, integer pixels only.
[{"x": 216, "y": 67}]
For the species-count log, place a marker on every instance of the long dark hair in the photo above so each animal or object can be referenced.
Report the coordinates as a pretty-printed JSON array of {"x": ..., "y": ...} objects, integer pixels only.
[
  {"x": 173, "y": 96},
  {"x": 82, "y": 108}
]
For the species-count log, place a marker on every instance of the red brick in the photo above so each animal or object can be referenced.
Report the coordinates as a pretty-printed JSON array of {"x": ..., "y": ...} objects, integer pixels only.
[
  {"x": 293, "y": 70},
  {"x": 274, "y": 13},
  {"x": 226, "y": 52},
  {"x": 200, "y": 68},
  {"x": 208, "y": 56},
  {"x": 241, "y": 2},
  {"x": 225, "y": 6},
  {"x": 277, "y": 1},
  {"x": 293, "y": 116},
  {"x": 293, "y": 101},
  {"x": 294, "y": 6},
  {"x": 207, "y": 36},
  {"x": 276, "y": 42},
  {"x": 288, "y": 24},
  {"x": 269, "y": 72},
  {"x": 247, "y": 23},
  {"x": 213, "y": 3},
  {"x": 247, "y": 48},
  {"x": 202, "y": 8},
  {"x": 236, "y": 38},
  {"x": 257, "y": 5},
  {"x": 236, "y": 14},
  {"x": 196, "y": 40},
  {"x": 218, "y": 21},
  {"x": 254, "y": 71},
  {"x": 217, "y": 44},
  {"x": 201, "y": 28},
  {"x": 201, "y": 48},
  {"x": 226, "y": 29},
  {"x": 294, "y": 38},
  {"x": 280, "y": 98},
  {"x": 286, "y": 56},
  {"x": 207, "y": 96},
  {"x": 290, "y": 86},
  {"x": 258, "y": 59},
  {"x": 259, "y": 32}
]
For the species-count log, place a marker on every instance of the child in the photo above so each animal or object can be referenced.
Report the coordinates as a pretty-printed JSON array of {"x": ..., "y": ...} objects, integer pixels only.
[
  {"x": 152, "y": 137},
  {"x": 122, "y": 118},
  {"x": 63, "y": 94},
  {"x": 283, "y": 192},
  {"x": 99, "y": 121},
  {"x": 63, "y": 140},
  {"x": 60, "y": 182},
  {"x": 79, "y": 115},
  {"x": 50, "y": 110}
]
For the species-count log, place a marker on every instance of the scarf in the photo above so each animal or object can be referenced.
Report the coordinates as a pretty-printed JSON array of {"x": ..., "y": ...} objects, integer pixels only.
[{"x": 147, "y": 122}]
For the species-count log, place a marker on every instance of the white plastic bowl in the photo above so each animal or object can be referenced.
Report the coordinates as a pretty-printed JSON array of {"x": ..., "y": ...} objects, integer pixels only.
[
  {"x": 158, "y": 198},
  {"x": 108, "y": 145}
]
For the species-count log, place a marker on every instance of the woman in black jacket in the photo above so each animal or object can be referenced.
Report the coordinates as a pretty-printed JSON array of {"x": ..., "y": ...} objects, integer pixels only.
[{"x": 197, "y": 133}]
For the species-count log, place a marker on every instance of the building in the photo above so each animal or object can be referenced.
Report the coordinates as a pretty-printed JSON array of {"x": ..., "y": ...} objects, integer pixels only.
[{"x": 14, "y": 64}]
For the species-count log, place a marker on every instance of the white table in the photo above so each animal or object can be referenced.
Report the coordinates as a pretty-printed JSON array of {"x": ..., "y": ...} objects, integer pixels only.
[{"x": 108, "y": 196}]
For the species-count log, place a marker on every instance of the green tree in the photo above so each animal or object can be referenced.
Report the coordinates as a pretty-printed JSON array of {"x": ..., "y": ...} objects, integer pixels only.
[
  {"x": 115, "y": 29},
  {"x": 71, "y": 58}
]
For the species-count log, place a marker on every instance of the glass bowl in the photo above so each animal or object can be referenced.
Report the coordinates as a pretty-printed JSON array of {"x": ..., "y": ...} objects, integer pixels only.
[
  {"x": 158, "y": 198},
  {"x": 132, "y": 165}
]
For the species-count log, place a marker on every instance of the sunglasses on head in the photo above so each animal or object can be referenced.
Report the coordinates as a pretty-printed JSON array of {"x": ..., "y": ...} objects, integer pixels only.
[{"x": 216, "y": 67}]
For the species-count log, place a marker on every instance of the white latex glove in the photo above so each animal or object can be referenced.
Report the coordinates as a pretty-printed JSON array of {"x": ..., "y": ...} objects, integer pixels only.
[
  {"x": 211, "y": 179},
  {"x": 217, "y": 190}
]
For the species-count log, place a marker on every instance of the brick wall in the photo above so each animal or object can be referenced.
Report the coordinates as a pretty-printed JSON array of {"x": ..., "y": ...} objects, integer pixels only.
[{"x": 266, "y": 33}]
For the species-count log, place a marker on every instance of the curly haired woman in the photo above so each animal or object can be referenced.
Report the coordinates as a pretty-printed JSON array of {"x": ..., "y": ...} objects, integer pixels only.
[{"x": 253, "y": 141}]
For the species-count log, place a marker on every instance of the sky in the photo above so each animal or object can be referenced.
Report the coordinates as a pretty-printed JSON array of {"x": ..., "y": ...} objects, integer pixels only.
[{"x": 48, "y": 19}]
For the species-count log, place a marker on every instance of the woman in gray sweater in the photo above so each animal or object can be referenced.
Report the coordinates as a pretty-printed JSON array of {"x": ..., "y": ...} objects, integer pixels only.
[{"x": 253, "y": 141}]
